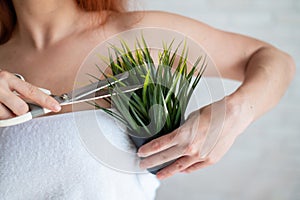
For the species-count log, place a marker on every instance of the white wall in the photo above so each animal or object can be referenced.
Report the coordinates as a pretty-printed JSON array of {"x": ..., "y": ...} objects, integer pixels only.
[{"x": 264, "y": 163}]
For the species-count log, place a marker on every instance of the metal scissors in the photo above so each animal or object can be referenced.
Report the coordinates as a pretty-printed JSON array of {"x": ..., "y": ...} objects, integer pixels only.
[{"x": 89, "y": 92}]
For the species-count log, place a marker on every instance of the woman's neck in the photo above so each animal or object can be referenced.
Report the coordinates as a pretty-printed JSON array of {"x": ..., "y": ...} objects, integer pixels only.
[{"x": 41, "y": 23}]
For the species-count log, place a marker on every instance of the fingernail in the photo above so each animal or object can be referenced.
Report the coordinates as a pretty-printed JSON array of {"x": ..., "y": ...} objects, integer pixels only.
[
  {"x": 56, "y": 107},
  {"x": 140, "y": 154}
]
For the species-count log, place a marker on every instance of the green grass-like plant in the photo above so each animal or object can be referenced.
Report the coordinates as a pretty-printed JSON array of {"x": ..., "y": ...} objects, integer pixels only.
[{"x": 159, "y": 106}]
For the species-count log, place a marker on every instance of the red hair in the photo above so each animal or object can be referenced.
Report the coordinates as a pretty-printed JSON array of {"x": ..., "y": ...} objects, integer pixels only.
[{"x": 8, "y": 16}]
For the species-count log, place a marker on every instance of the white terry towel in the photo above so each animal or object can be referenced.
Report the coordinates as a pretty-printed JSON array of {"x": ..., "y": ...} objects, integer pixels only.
[{"x": 45, "y": 158}]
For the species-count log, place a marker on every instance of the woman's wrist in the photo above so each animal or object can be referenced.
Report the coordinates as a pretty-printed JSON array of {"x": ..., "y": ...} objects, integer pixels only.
[{"x": 239, "y": 107}]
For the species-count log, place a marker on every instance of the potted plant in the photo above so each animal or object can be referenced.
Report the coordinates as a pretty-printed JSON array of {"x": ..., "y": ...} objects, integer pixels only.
[{"x": 159, "y": 106}]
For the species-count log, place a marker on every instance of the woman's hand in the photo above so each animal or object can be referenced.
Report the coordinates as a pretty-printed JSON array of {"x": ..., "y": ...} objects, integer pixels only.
[
  {"x": 190, "y": 143},
  {"x": 12, "y": 104}
]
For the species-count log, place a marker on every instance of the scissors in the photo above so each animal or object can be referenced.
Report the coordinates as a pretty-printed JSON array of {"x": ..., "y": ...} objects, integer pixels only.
[{"x": 89, "y": 92}]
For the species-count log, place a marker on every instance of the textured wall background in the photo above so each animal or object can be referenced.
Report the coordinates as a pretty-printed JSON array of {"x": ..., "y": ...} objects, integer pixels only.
[{"x": 264, "y": 163}]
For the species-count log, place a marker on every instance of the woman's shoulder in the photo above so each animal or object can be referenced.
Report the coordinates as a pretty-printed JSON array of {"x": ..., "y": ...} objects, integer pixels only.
[
  {"x": 213, "y": 40},
  {"x": 139, "y": 19}
]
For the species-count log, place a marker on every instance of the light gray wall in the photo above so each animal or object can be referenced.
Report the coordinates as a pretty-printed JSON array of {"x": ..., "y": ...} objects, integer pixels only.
[{"x": 264, "y": 163}]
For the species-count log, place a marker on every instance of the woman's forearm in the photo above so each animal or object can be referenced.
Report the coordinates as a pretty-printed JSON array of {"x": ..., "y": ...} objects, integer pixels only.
[{"x": 267, "y": 76}]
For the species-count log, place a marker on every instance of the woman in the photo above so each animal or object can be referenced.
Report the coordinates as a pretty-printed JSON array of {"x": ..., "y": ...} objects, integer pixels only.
[{"x": 46, "y": 41}]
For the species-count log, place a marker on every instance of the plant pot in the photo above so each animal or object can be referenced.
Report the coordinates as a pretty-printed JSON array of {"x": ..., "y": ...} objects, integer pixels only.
[{"x": 139, "y": 141}]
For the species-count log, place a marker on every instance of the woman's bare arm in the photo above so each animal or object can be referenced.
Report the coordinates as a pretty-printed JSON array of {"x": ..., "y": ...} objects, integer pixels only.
[
  {"x": 264, "y": 70},
  {"x": 265, "y": 73}
]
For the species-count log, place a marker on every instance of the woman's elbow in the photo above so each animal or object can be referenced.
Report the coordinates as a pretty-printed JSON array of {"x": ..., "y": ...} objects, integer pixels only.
[{"x": 291, "y": 66}]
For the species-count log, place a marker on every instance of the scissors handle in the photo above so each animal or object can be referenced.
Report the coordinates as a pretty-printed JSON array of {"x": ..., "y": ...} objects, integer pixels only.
[
  {"x": 35, "y": 111},
  {"x": 16, "y": 120}
]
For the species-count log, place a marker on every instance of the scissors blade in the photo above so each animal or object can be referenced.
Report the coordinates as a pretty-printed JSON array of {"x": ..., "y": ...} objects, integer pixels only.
[
  {"x": 106, "y": 93},
  {"x": 92, "y": 88}
]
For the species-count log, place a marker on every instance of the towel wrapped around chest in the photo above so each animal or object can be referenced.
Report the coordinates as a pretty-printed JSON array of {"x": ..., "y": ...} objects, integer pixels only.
[{"x": 46, "y": 158}]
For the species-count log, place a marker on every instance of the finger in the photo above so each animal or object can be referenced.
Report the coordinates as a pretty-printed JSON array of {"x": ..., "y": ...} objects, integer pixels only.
[
  {"x": 196, "y": 166},
  {"x": 5, "y": 113},
  {"x": 157, "y": 145},
  {"x": 34, "y": 94},
  {"x": 14, "y": 103},
  {"x": 160, "y": 158},
  {"x": 179, "y": 165}
]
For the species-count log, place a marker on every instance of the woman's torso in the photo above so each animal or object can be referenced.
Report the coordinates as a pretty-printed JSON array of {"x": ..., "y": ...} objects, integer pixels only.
[{"x": 45, "y": 159}]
